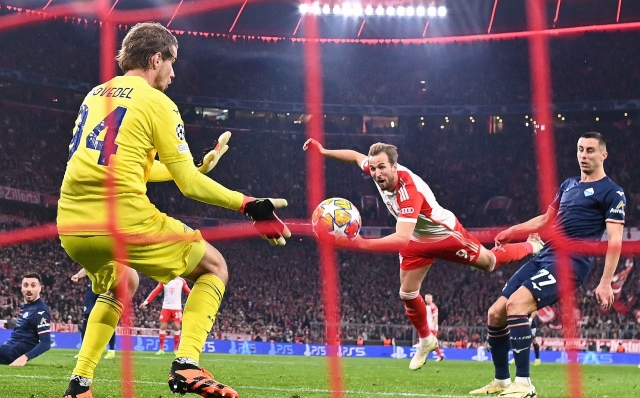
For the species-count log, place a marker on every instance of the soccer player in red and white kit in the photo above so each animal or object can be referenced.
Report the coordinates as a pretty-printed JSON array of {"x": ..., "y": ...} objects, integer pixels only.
[
  {"x": 432, "y": 321},
  {"x": 424, "y": 231},
  {"x": 171, "y": 309}
]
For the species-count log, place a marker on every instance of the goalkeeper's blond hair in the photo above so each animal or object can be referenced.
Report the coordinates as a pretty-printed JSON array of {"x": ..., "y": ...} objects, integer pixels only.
[{"x": 142, "y": 42}]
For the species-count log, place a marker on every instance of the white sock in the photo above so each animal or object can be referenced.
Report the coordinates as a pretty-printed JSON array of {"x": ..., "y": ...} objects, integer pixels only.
[
  {"x": 523, "y": 380},
  {"x": 504, "y": 382}
]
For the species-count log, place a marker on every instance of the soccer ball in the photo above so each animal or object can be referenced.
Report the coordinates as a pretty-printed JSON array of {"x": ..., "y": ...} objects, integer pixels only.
[{"x": 337, "y": 217}]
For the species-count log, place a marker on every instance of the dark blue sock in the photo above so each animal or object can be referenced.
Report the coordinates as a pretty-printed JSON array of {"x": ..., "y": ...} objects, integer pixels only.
[
  {"x": 112, "y": 342},
  {"x": 499, "y": 346},
  {"x": 521, "y": 337}
]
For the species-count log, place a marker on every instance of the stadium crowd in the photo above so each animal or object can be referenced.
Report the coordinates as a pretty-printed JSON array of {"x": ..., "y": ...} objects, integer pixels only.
[{"x": 495, "y": 72}]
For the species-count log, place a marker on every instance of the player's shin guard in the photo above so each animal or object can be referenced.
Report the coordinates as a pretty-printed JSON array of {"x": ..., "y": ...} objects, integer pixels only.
[
  {"x": 176, "y": 340},
  {"x": 511, "y": 252},
  {"x": 416, "y": 310},
  {"x": 100, "y": 327},
  {"x": 520, "y": 331},
  {"x": 199, "y": 314},
  {"x": 499, "y": 345}
]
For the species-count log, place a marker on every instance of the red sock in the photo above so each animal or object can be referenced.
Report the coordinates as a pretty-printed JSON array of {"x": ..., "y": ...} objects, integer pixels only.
[
  {"x": 511, "y": 252},
  {"x": 162, "y": 335},
  {"x": 176, "y": 339},
  {"x": 416, "y": 310},
  {"x": 439, "y": 352}
]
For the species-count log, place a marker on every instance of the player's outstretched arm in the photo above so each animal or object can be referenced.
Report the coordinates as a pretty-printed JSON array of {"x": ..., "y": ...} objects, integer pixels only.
[
  {"x": 524, "y": 229},
  {"x": 394, "y": 242},
  {"x": 197, "y": 186},
  {"x": 205, "y": 163},
  {"x": 604, "y": 292},
  {"x": 343, "y": 155},
  {"x": 202, "y": 188}
]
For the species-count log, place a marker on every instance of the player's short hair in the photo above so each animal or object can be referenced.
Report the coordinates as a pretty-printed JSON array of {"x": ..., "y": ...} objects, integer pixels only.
[
  {"x": 390, "y": 150},
  {"x": 593, "y": 134},
  {"x": 33, "y": 275},
  {"x": 142, "y": 42}
]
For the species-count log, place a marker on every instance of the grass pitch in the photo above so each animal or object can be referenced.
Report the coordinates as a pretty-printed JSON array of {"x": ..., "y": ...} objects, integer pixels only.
[{"x": 300, "y": 377}]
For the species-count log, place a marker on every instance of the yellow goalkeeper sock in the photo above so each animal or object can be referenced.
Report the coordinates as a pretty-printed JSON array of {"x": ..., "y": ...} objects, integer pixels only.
[
  {"x": 199, "y": 314},
  {"x": 100, "y": 327}
]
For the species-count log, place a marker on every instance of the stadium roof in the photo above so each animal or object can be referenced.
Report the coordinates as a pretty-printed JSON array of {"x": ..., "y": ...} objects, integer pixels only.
[{"x": 283, "y": 17}]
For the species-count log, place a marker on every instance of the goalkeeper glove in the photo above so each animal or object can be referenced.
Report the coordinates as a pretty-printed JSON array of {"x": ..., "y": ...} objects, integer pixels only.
[
  {"x": 269, "y": 226},
  {"x": 212, "y": 155}
]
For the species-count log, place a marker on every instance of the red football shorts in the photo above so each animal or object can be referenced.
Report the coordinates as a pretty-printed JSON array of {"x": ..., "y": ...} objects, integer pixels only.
[
  {"x": 170, "y": 315},
  {"x": 459, "y": 247}
]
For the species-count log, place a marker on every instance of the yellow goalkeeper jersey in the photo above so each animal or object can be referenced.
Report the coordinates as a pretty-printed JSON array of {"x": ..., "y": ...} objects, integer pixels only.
[{"x": 122, "y": 123}]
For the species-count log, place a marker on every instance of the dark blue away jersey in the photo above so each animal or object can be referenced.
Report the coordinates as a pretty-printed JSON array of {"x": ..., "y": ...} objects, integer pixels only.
[
  {"x": 584, "y": 208},
  {"x": 34, "y": 320}
]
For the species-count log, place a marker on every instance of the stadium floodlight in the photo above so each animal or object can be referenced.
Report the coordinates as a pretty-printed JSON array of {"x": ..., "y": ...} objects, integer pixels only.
[
  {"x": 337, "y": 10},
  {"x": 401, "y": 11},
  {"x": 326, "y": 9},
  {"x": 315, "y": 9},
  {"x": 347, "y": 10},
  {"x": 391, "y": 11},
  {"x": 380, "y": 10},
  {"x": 357, "y": 9},
  {"x": 304, "y": 8},
  {"x": 432, "y": 11},
  {"x": 442, "y": 11},
  {"x": 420, "y": 11},
  {"x": 368, "y": 10},
  {"x": 411, "y": 11}
]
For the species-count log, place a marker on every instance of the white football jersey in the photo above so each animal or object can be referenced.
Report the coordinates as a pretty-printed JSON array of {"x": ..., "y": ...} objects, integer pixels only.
[
  {"x": 172, "y": 293},
  {"x": 413, "y": 201}
]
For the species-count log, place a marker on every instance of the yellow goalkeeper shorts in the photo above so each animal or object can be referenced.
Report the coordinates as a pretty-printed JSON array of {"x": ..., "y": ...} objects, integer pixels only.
[{"x": 163, "y": 251}]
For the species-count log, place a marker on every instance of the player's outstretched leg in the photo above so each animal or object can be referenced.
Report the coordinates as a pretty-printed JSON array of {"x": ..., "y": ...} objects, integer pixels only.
[
  {"x": 186, "y": 376},
  {"x": 516, "y": 251}
]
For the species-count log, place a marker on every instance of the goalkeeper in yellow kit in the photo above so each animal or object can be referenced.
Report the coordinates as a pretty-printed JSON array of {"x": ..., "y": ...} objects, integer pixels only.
[{"x": 121, "y": 127}]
